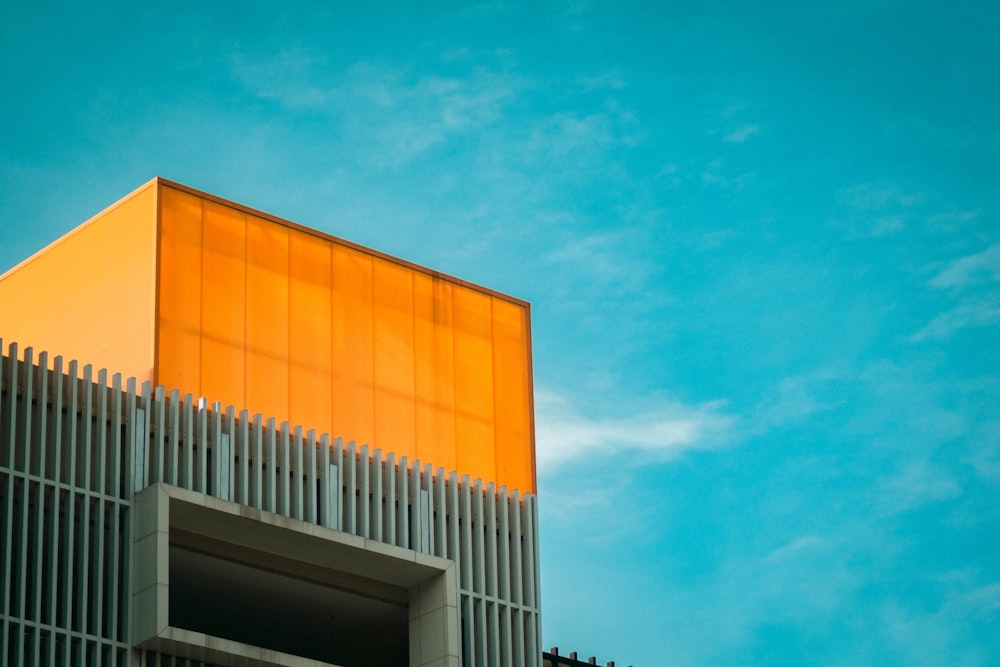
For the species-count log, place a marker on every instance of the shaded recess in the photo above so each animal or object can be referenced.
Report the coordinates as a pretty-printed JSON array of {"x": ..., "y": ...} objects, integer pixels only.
[{"x": 294, "y": 615}]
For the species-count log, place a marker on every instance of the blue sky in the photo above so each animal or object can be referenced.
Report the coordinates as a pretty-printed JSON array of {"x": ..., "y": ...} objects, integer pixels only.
[{"x": 761, "y": 242}]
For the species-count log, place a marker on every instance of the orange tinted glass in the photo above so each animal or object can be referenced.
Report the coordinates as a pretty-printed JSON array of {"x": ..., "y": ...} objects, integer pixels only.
[{"x": 300, "y": 326}]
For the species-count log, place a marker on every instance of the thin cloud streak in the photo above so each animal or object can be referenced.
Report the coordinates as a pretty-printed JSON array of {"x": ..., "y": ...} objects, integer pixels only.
[
  {"x": 566, "y": 434},
  {"x": 742, "y": 134},
  {"x": 793, "y": 548},
  {"x": 971, "y": 268},
  {"x": 969, "y": 314},
  {"x": 976, "y": 278},
  {"x": 876, "y": 197}
]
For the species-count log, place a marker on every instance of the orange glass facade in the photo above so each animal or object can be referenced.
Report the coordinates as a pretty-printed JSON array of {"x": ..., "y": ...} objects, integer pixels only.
[{"x": 249, "y": 310}]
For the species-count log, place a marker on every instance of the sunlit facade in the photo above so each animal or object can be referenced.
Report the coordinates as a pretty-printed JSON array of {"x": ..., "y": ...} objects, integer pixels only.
[{"x": 326, "y": 456}]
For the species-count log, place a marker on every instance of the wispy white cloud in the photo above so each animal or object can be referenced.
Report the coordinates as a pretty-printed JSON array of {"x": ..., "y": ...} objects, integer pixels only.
[
  {"x": 607, "y": 259},
  {"x": 809, "y": 576},
  {"x": 952, "y": 220},
  {"x": 983, "y": 599},
  {"x": 795, "y": 548},
  {"x": 876, "y": 209},
  {"x": 713, "y": 175},
  {"x": 610, "y": 80},
  {"x": 573, "y": 144},
  {"x": 474, "y": 119},
  {"x": 972, "y": 313},
  {"x": 429, "y": 111},
  {"x": 980, "y": 266},
  {"x": 945, "y": 634},
  {"x": 565, "y": 433},
  {"x": 797, "y": 397},
  {"x": 878, "y": 196},
  {"x": 918, "y": 483},
  {"x": 609, "y": 503},
  {"x": 985, "y": 457},
  {"x": 289, "y": 77},
  {"x": 401, "y": 114},
  {"x": 742, "y": 134},
  {"x": 976, "y": 278},
  {"x": 887, "y": 225}
]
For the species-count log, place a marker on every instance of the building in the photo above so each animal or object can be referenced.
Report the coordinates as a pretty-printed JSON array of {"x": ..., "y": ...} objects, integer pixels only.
[
  {"x": 302, "y": 452},
  {"x": 551, "y": 658}
]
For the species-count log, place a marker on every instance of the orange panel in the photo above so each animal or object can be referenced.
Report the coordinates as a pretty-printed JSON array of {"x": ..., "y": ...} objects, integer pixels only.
[
  {"x": 308, "y": 329},
  {"x": 474, "y": 426},
  {"x": 351, "y": 344},
  {"x": 90, "y": 295},
  {"x": 514, "y": 461},
  {"x": 223, "y": 312},
  {"x": 178, "y": 354},
  {"x": 267, "y": 317},
  {"x": 392, "y": 290},
  {"x": 309, "y": 386},
  {"x": 434, "y": 372}
]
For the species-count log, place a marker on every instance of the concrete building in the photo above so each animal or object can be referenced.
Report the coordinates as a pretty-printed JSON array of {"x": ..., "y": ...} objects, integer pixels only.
[{"x": 302, "y": 452}]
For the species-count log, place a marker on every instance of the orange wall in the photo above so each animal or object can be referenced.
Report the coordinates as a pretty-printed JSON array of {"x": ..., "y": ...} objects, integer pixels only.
[
  {"x": 89, "y": 295},
  {"x": 297, "y": 325}
]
